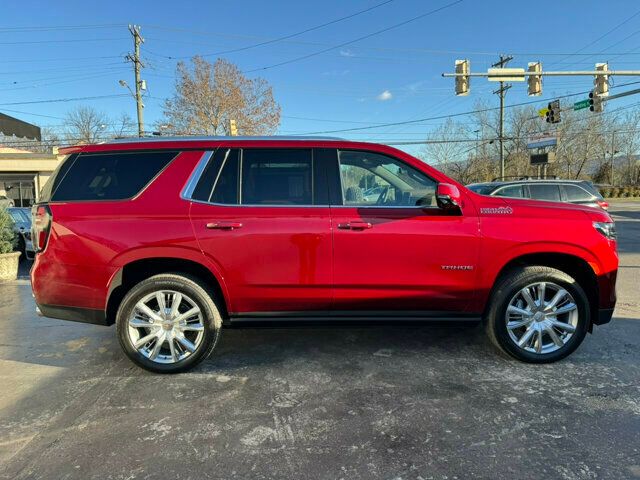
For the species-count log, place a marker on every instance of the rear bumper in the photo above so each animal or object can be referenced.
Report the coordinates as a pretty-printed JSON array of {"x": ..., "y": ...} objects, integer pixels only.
[
  {"x": 604, "y": 316},
  {"x": 74, "y": 314}
]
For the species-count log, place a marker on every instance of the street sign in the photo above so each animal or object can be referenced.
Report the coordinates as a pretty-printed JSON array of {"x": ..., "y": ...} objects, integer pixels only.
[
  {"x": 542, "y": 158},
  {"x": 506, "y": 74},
  {"x": 581, "y": 104},
  {"x": 542, "y": 140}
]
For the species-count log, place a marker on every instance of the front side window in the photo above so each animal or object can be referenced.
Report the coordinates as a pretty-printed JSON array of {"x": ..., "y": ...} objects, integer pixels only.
[
  {"x": 371, "y": 179},
  {"x": 513, "y": 191},
  {"x": 545, "y": 192},
  {"x": 276, "y": 177}
]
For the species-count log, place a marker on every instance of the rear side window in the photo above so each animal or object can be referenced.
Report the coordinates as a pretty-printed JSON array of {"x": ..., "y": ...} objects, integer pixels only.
[
  {"x": 219, "y": 180},
  {"x": 107, "y": 176},
  {"x": 276, "y": 177},
  {"x": 545, "y": 192},
  {"x": 577, "y": 194},
  {"x": 513, "y": 191}
]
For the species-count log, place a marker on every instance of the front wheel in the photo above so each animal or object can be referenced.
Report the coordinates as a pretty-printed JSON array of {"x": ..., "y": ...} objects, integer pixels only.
[
  {"x": 168, "y": 323},
  {"x": 538, "y": 314}
]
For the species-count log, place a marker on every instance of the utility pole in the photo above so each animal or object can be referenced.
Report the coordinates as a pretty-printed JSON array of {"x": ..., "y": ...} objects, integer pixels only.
[
  {"x": 613, "y": 154},
  {"x": 504, "y": 59},
  {"x": 137, "y": 66}
]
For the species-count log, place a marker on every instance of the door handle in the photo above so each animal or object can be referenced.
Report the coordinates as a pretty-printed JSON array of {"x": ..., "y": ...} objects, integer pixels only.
[
  {"x": 224, "y": 225},
  {"x": 355, "y": 225}
]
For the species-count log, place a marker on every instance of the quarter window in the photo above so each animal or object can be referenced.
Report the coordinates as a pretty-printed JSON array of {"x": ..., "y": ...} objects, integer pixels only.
[
  {"x": 106, "y": 176},
  {"x": 577, "y": 194},
  {"x": 371, "y": 179}
]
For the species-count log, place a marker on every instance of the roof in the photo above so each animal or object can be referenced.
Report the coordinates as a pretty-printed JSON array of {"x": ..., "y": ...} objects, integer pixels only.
[{"x": 197, "y": 142}]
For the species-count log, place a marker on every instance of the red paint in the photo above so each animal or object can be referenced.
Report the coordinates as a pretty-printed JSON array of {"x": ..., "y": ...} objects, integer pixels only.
[{"x": 297, "y": 259}]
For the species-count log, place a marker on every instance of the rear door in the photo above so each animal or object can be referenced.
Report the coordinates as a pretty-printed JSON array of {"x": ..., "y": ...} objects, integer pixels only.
[
  {"x": 395, "y": 252},
  {"x": 545, "y": 191},
  {"x": 262, "y": 216}
]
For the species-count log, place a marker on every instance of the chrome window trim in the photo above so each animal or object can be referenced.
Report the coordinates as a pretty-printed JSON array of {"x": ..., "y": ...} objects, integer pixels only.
[
  {"x": 190, "y": 186},
  {"x": 187, "y": 193}
]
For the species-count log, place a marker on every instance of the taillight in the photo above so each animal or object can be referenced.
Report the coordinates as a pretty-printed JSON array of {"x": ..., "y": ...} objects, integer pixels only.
[
  {"x": 603, "y": 205},
  {"x": 41, "y": 225}
]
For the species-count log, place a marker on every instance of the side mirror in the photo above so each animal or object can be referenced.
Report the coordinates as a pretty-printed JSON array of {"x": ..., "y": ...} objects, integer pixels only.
[{"x": 448, "y": 196}]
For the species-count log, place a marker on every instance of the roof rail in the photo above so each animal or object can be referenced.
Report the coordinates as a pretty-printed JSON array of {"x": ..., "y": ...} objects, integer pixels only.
[{"x": 211, "y": 138}]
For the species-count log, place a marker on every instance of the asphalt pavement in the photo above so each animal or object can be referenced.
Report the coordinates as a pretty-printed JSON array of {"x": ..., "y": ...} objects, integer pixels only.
[{"x": 322, "y": 403}]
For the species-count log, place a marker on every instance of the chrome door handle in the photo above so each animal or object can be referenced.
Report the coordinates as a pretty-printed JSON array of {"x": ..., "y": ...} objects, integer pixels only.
[
  {"x": 355, "y": 225},
  {"x": 223, "y": 225}
]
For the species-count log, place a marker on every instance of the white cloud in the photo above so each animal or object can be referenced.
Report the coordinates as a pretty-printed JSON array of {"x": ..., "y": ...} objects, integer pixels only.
[
  {"x": 347, "y": 53},
  {"x": 384, "y": 96}
]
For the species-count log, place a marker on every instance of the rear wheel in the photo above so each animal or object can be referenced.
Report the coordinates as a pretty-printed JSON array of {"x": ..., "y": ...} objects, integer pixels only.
[
  {"x": 168, "y": 323},
  {"x": 538, "y": 314}
]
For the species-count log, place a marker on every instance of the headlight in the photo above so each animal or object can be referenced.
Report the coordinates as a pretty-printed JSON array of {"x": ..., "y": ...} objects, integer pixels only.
[{"x": 608, "y": 229}]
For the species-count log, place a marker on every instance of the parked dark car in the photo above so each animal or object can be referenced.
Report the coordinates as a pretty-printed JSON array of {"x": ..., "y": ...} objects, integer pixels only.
[
  {"x": 22, "y": 226},
  {"x": 579, "y": 192}
]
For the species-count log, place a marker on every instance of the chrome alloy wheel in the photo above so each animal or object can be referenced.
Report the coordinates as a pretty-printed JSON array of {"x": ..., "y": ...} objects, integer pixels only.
[
  {"x": 166, "y": 326},
  {"x": 542, "y": 317}
]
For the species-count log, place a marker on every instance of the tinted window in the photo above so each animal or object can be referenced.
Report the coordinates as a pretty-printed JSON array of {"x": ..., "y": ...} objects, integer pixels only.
[
  {"x": 514, "y": 191},
  {"x": 56, "y": 177},
  {"x": 577, "y": 194},
  {"x": 481, "y": 188},
  {"x": 109, "y": 176},
  {"x": 371, "y": 179},
  {"x": 226, "y": 187},
  {"x": 276, "y": 177},
  {"x": 219, "y": 180},
  {"x": 545, "y": 192}
]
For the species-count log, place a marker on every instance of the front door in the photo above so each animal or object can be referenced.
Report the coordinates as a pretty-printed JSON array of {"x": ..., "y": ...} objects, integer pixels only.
[
  {"x": 262, "y": 216},
  {"x": 395, "y": 251}
]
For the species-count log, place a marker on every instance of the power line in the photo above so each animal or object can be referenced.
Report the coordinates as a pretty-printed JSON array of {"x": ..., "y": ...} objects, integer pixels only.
[
  {"x": 71, "y": 99},
  {"x": 602, "y": 36},
  {"x": 292, "y": 35},
  {"x": 350, "y": 42},
  {"x": 58, "y": 28},
  {"x": 461, "y": 114},
  {"x": 74, "y": 40}
]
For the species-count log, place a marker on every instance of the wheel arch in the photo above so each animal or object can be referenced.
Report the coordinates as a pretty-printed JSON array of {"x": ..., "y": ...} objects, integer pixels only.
[
  {"x": 135, "y": 271},
  {"x": 573, "y": 265}
]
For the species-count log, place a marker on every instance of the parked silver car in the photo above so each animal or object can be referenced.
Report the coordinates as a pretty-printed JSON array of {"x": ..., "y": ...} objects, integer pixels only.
[{"x": 22, "y": 226}]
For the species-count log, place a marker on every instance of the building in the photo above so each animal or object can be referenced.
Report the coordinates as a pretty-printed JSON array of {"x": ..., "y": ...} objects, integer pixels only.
[{"x": 23, "y": 173}]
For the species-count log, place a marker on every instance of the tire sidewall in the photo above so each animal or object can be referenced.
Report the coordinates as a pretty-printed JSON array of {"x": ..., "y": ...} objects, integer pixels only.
[
  {"x": 211, "y": 319},
  {"x": 506, "y": 292}
]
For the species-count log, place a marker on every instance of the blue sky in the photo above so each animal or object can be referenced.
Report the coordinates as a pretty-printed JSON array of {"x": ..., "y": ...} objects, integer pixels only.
[{"x": 390, "y": 77}]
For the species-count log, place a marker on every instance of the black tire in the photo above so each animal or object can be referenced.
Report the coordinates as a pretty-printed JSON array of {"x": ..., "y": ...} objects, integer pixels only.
[
  {"x": 508, "y": 286},
  {"x": 186, "y": 285},
  {"x": 22, "y": 248}
]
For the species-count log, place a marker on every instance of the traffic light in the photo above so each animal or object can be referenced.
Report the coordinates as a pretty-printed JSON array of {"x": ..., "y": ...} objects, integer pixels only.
[
  {"x": 553, "y": 112},
  {"x": 602, "y": 80},
  {"x": 535, "y": 81},
  {"x": 462, "y": 82},
  {"x": 233, "y": 128},
  {"x": 595, "y": 102}
]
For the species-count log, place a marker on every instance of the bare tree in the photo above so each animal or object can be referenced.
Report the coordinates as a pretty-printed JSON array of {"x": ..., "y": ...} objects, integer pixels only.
[
  {"x": 208, "y": 96},
  {"x": 123, "y": 126},
  {"x": 85, "y": 125}
]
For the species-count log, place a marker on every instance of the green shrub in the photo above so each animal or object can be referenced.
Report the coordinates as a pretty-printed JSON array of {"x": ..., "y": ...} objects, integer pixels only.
[
  {"x": 7, "y": 235},
  {"x": 605, "y": 192}
]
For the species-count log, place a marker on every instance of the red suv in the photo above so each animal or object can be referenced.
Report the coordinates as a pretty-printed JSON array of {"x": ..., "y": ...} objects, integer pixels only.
[{"x": 172, "y": 239}]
